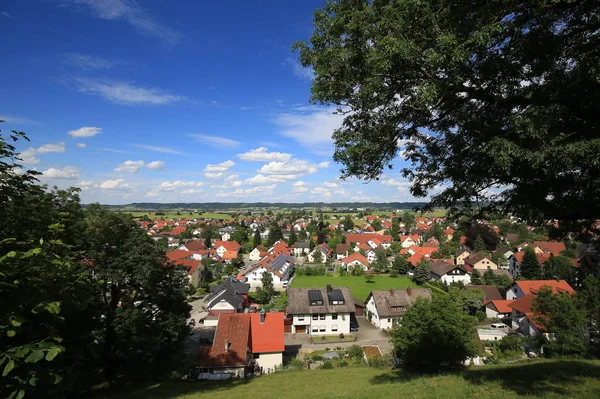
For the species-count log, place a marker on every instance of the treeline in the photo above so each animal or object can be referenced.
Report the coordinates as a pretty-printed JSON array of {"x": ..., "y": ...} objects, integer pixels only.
[
  {"x": 86, "y": 296},
  {"x": 254, "y": 205}
]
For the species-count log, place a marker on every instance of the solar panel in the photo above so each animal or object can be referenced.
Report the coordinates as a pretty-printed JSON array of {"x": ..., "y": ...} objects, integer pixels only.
[
  {"x": 335, "y": 295},
  {"x": 315, "y": 295}
]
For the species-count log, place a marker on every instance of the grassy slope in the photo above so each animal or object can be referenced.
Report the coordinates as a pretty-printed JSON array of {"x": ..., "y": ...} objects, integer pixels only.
[
  {"x": 547, "y": 379},
  {"x": 357, "y": 284}
]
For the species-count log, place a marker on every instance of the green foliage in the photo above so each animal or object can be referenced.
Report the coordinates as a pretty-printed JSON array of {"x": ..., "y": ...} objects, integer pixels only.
[
  {"x": 476, "y": 277},
  {"x": 434, "y": 333},
  {"x": 400, "y": 264},
  {"x": 256, "y": 240},
  {"x": 564, "y": 320},
  {"x": 479, "y": 245},
  {"x": 348, "y": 223},
  {"x": 512, "y": 108},
  {"x": 530, "y": 267},
  {"x": 409, "y": 221},
  {"x": 511, "y": 343},
  {"x": 560, "y": 267},
  {"x": 376, "y": 224},
  {"x": 422, "y": 273},
  {"x": 275, "y": 234},
  {"x": 381, "y": 263},
  {"x": 265, "y": 293},
  {"x": 355, "y": 352},
  {"x": 369, "y": 278}
]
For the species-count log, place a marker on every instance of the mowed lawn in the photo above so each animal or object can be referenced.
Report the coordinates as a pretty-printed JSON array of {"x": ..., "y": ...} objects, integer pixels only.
[
  {"x": 537, "y": 379},
  {"x": 358, "y": 284}
]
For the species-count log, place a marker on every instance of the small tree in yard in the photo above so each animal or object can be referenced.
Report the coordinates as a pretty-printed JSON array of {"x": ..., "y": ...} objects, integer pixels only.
[
  {"x": 400, "y": 264},
  {"x": 476, "y": 277},
  {"x": 434, "y": 333},
  {"x": 382, "y": 263},
  {"x": 422, "y": 273},
  {"x": 530, "y": 267},
  {"x": 265, "y": 293},
  {"x": 318, "y": 256}
]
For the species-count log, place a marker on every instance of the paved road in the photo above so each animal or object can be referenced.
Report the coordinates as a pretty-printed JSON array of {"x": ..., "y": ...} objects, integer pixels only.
[{"x": 367, "y": 334}]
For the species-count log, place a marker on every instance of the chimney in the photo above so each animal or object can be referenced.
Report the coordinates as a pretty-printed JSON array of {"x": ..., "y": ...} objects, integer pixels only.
[
  {"x": 227, "y": 345},
  {"x": 329, "y": 288},
  {"x": 409, "y": 291},
  {"x": 262, "y": 316}
]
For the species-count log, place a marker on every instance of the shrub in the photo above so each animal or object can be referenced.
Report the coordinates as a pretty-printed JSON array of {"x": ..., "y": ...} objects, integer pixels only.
[
  {"x": 355, "y": 351},
  {"x": 481, "y": 316},
  {"x": 327, "y": 349},
  {"x": 343, "y": 363},
  {"x": 316, "y": 357},
  {"x": 327, "y": 365},
  {"x": 342, "y": 335},
  {"x": 295, "y": 364}
]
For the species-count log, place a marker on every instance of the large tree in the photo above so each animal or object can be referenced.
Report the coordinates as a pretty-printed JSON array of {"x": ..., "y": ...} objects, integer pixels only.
[
  {"x": 530, "y": 267},
  {"x": 488, "y": 100},
  {"x": 434, "y": 333}
]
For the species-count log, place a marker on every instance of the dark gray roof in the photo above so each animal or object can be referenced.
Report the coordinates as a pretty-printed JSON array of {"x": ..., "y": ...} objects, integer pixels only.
[
  {"x": 385, "y": 300},
  {"x": 233, "y": 299},
  {"x": 440, "y": 268},
  {"x": 280, "y": 261},
  {"x": 301, "y": 244},
  {"x": 229, "y": 290},
  {"x": 299, "y": 301}
]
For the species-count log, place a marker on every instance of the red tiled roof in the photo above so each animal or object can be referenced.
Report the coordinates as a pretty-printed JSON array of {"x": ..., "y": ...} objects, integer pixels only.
[
  {"x": 355, "y": 256},
  {"x": 542, "y": 258},
  {"x": 364, "y": 238},
  {"x": 553, "y": 247},
  {"x": 267, "y": 336},
  {"x": 228, "y": 245},
  {"x": 449, "y": 230},
  {"x": 195, "y": 245},
  {"x": 179, "y": 255},
  {"x": 502, "y": 305},
  {"x": 533, "y": 286},
  {"x": 228, "y": 255},
  {"x": 234, "y": 328}
]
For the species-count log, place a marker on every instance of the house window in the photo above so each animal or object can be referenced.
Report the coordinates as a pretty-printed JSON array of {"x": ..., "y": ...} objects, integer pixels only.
[
  {"x": 315, "y": 317},
  {"x": 334, "y": 316},
  {"x": 315, "y": 329},
  {"x": 301, "y": 317},
  {"x": 322, "y": 316},
  {"x": 334, "y": 327},
  {"x": 389, "y": 320},
  {"x": 321, "y": 328}
]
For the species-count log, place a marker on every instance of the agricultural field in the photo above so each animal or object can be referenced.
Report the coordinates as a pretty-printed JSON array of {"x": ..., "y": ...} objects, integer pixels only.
[{"x": 182, "y": 215}]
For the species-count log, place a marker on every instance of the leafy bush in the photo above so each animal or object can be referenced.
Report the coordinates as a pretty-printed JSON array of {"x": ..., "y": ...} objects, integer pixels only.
[
  {"x": 511, "y": 343},
  {"x": 481, "y": 316},
  {"x": 316, "y": 357},
  {"x": 327, "y": 365},
  {"x": 355, "y": 351},
  {"x": 343, "y": 363},
  {"x": 295, "y": 364}
]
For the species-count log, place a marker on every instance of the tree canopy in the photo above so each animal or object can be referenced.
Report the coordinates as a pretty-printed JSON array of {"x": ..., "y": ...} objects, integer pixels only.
[{"x": 490, "y": 101}]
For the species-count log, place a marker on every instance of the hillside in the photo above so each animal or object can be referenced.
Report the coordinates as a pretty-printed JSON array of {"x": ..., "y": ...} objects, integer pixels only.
[{"x": 542, "y": 379}]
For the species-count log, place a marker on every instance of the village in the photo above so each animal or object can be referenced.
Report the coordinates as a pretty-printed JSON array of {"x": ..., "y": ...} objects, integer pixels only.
[{"x": 283, "y": 288}]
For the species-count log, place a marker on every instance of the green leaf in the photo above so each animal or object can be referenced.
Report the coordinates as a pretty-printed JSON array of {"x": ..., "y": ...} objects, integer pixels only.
[
  {"x": 33, "y": 381},
  {"x": 53, "y": 307},
  {"x": 57, "y": 378},
  {"x": 41, "y": 241},
  {"x": 20, "y": 394},
  {"x": 15, "y": 322},
  {"x": 58, "y": 339},
  {"x": 11, "y": 333},
  {"x": 9, "y": 366},
  {"x": 51, "y": 354},
  {"x": 35, "y": 356}
]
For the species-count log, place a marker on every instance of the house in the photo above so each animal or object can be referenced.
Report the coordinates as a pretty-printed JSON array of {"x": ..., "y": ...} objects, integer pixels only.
[
  {"x": 503, "y": 255},
  {"x": 355, "y": 259},
  {"x": 320, "y": 311},
  {"x": 385, "y": 240},
  {"x": 492, "y": 293},
  {"x": 387, "y": 307},
  {"x": 342, "y": 251},
  {"x": 490, "y": 334},
  {"x": 245, "y": 343},
  {"x": 479, "y": 262},
  {"x": 222, "y": 246},
  {"x": 194, "y": 270},
  {"x": 257, "y": 254},
  {"x": 516, "y": 260},
  {"x": 379, "y": 241},
  {"x": 226, "y": 236},
  {"x": 524, "y": 287},
  {"x": 449, "y": 232},
  {"x": 301, "y": 248},
  {"x": 417, "y": 254},
  {"x": 280, "y": 266},
  {"x": 551, "y": 247},
  {"x": 461, "y": 255},
  {"x": 432, "y": 243},
  {"x": 359, "y": 305},
  {"x": 280, "y": 247},
  {"x": 498, "y": 309},
  {"x": 231, "y": 296},
  {"x": 192, "y": 246},
  {"x": 408, "y": 241},
  {"x": 371, "y": 255},
  {"x": 448, "y": 272},
  {"x": 324, "y": 253}
]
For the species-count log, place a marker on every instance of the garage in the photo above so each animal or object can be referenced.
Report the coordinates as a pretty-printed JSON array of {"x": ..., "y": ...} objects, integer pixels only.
[
  {"x": 287, "y": 326},
  {"x": 300, "y": 329},
  {"x": 360, "y": 307}
]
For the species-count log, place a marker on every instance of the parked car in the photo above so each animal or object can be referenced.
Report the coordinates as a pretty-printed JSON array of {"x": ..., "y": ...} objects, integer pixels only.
[
  {"x": 353, "y": 326},
  {"x": 499, "y": 325}
]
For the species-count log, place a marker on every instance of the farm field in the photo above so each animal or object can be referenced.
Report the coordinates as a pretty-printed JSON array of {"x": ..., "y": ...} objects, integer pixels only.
[
  {"x": 182, "y": 215},
  {"x": 358, "y": 284},
  {"x": 539, "y": 379}
]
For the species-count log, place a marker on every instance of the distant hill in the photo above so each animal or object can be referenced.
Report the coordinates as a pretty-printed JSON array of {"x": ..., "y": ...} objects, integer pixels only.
[
  {"x": 539, "y": 379},
  {"x": 257, "y": 205}
]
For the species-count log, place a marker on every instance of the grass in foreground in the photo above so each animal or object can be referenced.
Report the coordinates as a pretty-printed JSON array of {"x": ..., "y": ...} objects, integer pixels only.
[
  {"x": 358, "y": 284},
  {"x": 540, "y": 379}
]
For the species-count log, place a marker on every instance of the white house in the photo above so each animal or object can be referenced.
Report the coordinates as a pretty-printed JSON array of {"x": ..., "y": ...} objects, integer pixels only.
[
  {"x": 255, "y": 255},
  {"x": 407, "y": 241},
  {"x": 301, "y": 248},
  {"x": 225, "y": 236},
  {"x": 355, "y": 259},
  {"x": 280, "y": 266},
  {"x": 320, "y": 311},
  {"x": 223, "y": 246},
  {"x": 448, "y": 273},
  {"x": 386, "y": 308},
  {"x": 312, "y": 256},
  {"x": 371, "y": 256}
]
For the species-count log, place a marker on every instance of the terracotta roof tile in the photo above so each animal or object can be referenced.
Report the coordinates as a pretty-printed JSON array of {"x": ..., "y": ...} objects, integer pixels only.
[{"x": 267, "y": 336}]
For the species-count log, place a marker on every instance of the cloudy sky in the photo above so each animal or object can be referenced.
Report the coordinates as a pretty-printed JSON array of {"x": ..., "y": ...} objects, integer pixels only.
[{"x": 147, "y": 101}]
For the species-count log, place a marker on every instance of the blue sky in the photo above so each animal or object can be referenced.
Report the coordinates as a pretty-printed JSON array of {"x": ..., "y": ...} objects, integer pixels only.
[{"x": 171, "y": 101}]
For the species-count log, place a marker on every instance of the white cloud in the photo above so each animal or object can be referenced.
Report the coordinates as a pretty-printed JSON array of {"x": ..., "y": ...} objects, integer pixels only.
[
  {"x": 323, "y": 165},
  {"x": 86, "y": 131},
  {"x": 262, "y": 154},
  {"x": 135, "y": 15},
  {"x": 330, "y": 184},
  {"x": 7, "y": 15},
  {"x": 400, "y": 184},
  {"x": 262, "y": 179},
  {"x": 213, "y": 175},
  {"x": 294, "y": 167},
  {"x": 85, "y": 185},
  {"x": 299, "y": 183},
  {"x": 113, "y": 150},
  {"x": 87, "y": 62},
  {"x": 215, "y": 141},
  {"x": 312, "y": 129},
  {"x": 156, "y": 165},
  {"x": 220, "y": 167},
  {"x": 232, "y": 177},
  {"x": 154, "y": 148},
  {"x": 81, "y": 145},
  {"x": 29, "y": 155},
  {"x": 67, "y": 173},
  {"x": 125, "y": 93},
  {"x": 300, "y": 187},
  {"x": 15, "y": 120},
  {"x": 135, "y": 166},
  {"x": 321, "y": 191},
  {"x": 115, "y": 184},
  {"x": 130, "y": 166},
  {"x": 259, "y": 190},
  {"x": 299, "y": 70}
]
